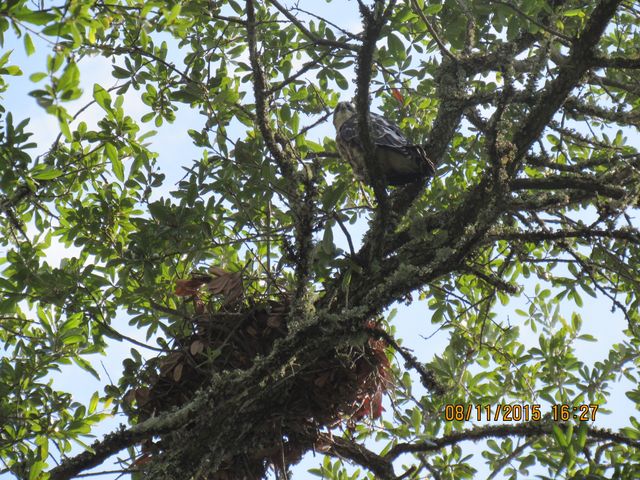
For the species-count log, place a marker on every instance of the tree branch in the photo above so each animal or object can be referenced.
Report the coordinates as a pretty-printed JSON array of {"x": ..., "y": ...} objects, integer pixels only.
[
  {"x": 303, "y": 205},
  {"x": 616, "y": 62},
  {"x": 373, "y": 23},
  {"x": 427, "y": 377},
  {"x": 569, "y": 75},
  {"x": 307, "y": 33},
  {"x": 343, "y": 448},
  {"x": 561, "y": 182},
  {"x": 436, "y": 38},
  {"x": 287, "y": 167},
  {"x": 630, "y": 235},
  {"x": 493, "y": 280},
  {"x": 526, "y": 430}
]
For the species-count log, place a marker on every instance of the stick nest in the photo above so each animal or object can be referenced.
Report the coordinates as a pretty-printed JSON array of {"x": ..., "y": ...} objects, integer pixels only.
[{"x": 339, "y": 388}]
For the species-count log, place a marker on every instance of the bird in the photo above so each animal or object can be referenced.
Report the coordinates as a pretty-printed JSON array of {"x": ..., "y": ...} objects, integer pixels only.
[{"x": 401, "y": 161}]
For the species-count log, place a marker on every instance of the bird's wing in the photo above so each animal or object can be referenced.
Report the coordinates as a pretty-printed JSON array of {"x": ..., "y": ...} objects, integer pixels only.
[
  {"x": 383, "y": 132},
  {"x": 401, "y": 160},
  {"x": 386, "y": 133}
]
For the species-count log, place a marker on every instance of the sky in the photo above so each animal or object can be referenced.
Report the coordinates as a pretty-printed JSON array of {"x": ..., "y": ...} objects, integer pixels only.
[{"x": 176, "y": 151}]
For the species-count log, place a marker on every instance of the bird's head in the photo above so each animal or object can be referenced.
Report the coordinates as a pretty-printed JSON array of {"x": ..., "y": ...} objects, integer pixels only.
[{"x": 343, "y": 112}]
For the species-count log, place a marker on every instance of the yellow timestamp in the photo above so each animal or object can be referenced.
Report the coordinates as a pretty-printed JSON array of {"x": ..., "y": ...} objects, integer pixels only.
[
  {"x": 518, "y": 413},
  {"x": 584, "y": 412}
]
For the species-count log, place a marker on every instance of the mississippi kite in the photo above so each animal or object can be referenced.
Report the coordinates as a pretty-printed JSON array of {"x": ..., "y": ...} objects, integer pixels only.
[{"x": 401, "y": 161}]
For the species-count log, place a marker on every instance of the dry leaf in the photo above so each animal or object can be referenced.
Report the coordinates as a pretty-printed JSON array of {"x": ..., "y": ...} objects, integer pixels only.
[
  {"x": 142, "y": 460},
  {"x": 142, "y": 395},
  {"x": 167, "y": 363},
  {"x": 226, "y": 283},
  {"x": 218, "y": 284},
  {"x": 196, "y": 347},
  {"x": 217, "y": 271},
  {"x": 177, "y": 372},
  {"x": 397, "y": 95},
  {"x": 187, "y": 287}
]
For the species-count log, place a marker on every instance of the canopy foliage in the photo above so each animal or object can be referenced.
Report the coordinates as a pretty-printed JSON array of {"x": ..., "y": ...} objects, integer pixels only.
[{"x": 528, "y": 109}]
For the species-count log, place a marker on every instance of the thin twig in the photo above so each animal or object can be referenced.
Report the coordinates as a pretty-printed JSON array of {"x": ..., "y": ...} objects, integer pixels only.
[
  {"x": 436, "y": 38},
  {"x": 307, "y": 33}
]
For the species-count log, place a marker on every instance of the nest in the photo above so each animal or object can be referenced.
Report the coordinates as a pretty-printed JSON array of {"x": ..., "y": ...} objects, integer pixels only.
[{"x": 342, "y": 387}]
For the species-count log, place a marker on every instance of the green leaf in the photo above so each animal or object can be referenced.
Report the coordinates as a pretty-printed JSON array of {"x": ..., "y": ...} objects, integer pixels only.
[
  {"x": 29, "y": 48},
  {"x": 69, "y": 78},
  {"x": 432, "y": 9},
  {"x": 327, "y": 240},
  {"x": 416, "y": 420},
  {"x": 36, "y": 77},
  {"x": 114, "y": 158},
  {"x": 581, "y": 437},
  {"x": 575, "y": 12},
  {"x": 341, "y": 81},
  {"x": 35, "y": 17},
  {"x": 85, "y": 365},
  {"x": 587, "y": 338},
  {"x": 102, "y": 97},
  {"x": 64, "y": 127},
  {"x": 119, "y": 72},
  {"x": 84, "y": 445},
  {"x": 559, "y": 435},
  {"x": 72, "y": 339},
  {"x": 12, "y": 70},
  {"x": 43, "y": 172},
  {"x": 54, "y": 62},
  {"x": 111, "y": 151},
  {"x": 396, "y": 47},
  {"x": 36, "y": 468},
  {"x": 43, "y": 445}
]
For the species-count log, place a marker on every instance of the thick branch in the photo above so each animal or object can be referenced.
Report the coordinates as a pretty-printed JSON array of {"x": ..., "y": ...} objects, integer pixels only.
[
  {"x": 303, "y": 206},
  {"x": 452, "y": 97},
  {"x": 501, "y": 55},
  {"x": 616, "y": 62},
  {"x": 427, "y": 377},
  {"x": 630, "y": 235},
  {"x": 110, "y": 445},
  {"x": 123, "y": 438},
  {"x": 373, "y": 23},
  {"x": 342, "y": 448},
  {"x": 561, "y": 182},
  {"x": 576, "y": 107},
  {"x": 540, "y": 202},
  {"x": 546, "y": 162},
  {"x": 287, "y": 167},
  {"x": 525, "y": 430},
  {"x": 577, "y": 64}
]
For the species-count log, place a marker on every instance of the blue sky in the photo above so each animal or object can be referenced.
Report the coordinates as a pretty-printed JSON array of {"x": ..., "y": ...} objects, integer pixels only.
[{"x": 176, "y": 152}]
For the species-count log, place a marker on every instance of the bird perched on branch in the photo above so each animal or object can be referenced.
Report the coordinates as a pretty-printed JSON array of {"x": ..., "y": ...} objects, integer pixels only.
[{"x": 401, "y": 161}]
